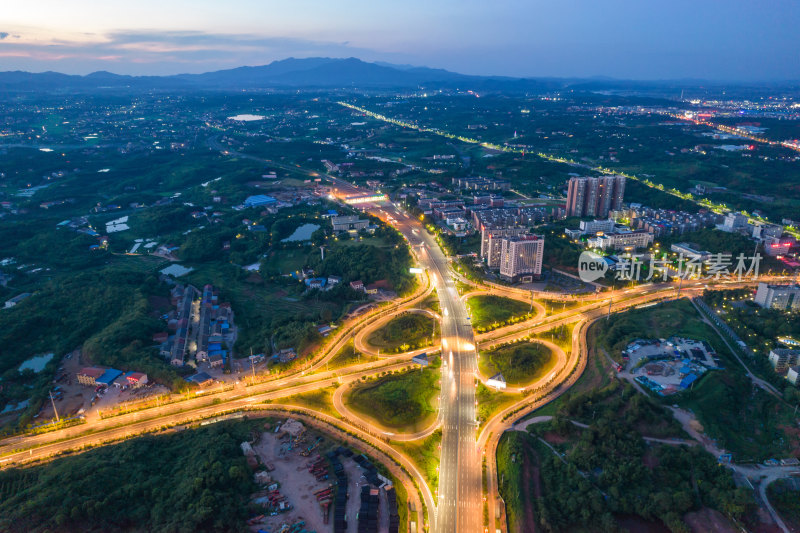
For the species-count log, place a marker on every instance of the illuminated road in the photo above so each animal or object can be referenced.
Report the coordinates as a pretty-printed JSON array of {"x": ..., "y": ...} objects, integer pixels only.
[{"x": 460, "y": 486}]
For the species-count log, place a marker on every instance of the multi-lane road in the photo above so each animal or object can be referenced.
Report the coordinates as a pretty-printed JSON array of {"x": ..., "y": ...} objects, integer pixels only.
[{"x": 459, "y": 503}]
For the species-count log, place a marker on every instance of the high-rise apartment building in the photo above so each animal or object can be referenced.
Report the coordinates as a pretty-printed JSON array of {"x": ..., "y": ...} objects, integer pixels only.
[
  {"x": 782, "y": 297},
  {"x": 521, "y": 257},
  {"x": 491, "y": 242},
  {"x": 594, "y": 197}
]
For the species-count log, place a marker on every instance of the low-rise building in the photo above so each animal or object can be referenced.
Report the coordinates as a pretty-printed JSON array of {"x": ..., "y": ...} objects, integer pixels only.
[
  {"x": 588, "y": 227},
  {"x": 778, "y": 246},
  {"x": 497, "y": 381},
  {"x": 348, "y": 222},
  {"x": 629, "y": 240},
  {"x": 259, "y": 200},
  {"x": 690, "y": 250},
  {"x": 734, "y": 222},
  {"x": 16, "y": 299},
  {"x": 108, "y": 377},
  {"x": 201, "y": 379},
  {"x": 762, "y": 230},
  {"x": 88, "y": 376}
]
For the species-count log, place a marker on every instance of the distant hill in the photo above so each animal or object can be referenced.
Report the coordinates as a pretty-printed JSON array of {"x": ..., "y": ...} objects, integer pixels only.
[
  {"x": 325, "y": 73},
  {"x": 317, "y": 72}
]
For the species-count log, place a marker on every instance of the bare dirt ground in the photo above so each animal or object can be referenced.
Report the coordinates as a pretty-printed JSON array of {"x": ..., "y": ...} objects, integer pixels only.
[
  {"x": 296, "y": 483},
  {"x": 707, "y": 519},
  {"x": 77, "y": 396}
]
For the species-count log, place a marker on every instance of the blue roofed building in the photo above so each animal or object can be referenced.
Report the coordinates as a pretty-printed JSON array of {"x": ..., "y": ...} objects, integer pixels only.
[
  {"x": 108, "y": 377},
  {"x": 687, "y": 381},
  {"x": 259, "y": 200}
]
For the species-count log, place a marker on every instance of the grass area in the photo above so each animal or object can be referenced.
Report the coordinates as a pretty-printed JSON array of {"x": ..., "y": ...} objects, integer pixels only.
[
  {"x": 408, "y": 331},
  {"x": 374, "y": 241},
  {"x": 403, "y": 401},
  {"x": 431, "y": 302},
  {"x": 347, "y": 356},
  {"x": 598, "y": 374},
  {"x": 289, "y": 260},
  {"x": 491, "y": 401},
  {"x": 425, "y": 454},
  {"x": 491, "y": 312},
  {"x": 520, "y": 363},
  {"x": 319, "y": 400},
  {"x": 553, "y": 307},
  {"x": 561, "y": 336}
]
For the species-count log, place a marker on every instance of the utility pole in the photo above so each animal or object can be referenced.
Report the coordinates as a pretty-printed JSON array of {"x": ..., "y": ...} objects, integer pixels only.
[
  {"x": 610, "y": 301},
  {"x": 54, "y": 407}
]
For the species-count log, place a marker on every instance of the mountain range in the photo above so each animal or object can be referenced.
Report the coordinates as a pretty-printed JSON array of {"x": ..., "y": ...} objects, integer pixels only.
[
  {"x": 287, "y": 73},
  {"x": 317, "y": 72}
]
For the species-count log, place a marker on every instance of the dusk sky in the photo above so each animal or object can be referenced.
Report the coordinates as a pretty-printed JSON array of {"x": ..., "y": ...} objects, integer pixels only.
[{"x": 634, "y": 39}]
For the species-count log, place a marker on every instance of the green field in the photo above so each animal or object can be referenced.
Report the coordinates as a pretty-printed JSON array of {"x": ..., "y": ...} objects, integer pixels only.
[
  {"x": 348, "y": 355},
  {"x": 520, "y": 363},
  {"x": 408, "y": 331},
  {"x": 490, "y": 312},
  {"x": 491, "y": 401},
  {"x": 319, "y": 400},
  {"x": 425, "y": 454},
  {"x": 404, "y": 401},
  {"x": 597, "y": 374}
]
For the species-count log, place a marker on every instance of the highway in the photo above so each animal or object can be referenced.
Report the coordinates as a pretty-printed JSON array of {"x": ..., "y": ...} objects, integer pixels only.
[{"x": 460, "y": 488}]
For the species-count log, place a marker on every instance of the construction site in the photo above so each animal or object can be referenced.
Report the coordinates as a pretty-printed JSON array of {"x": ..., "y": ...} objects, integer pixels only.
[{"x": 310, "y": 484}]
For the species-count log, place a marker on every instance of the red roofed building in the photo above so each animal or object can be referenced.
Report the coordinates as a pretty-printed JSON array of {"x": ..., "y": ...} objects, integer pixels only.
[{"x": 136, "y": 379}]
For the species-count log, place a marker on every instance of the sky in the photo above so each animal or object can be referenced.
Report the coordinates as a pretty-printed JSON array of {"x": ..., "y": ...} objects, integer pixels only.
[{"x": 737, "y": 40}]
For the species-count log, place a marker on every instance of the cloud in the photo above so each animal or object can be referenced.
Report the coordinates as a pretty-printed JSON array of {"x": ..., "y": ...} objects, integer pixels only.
[{"x": 167, "y": 52}]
